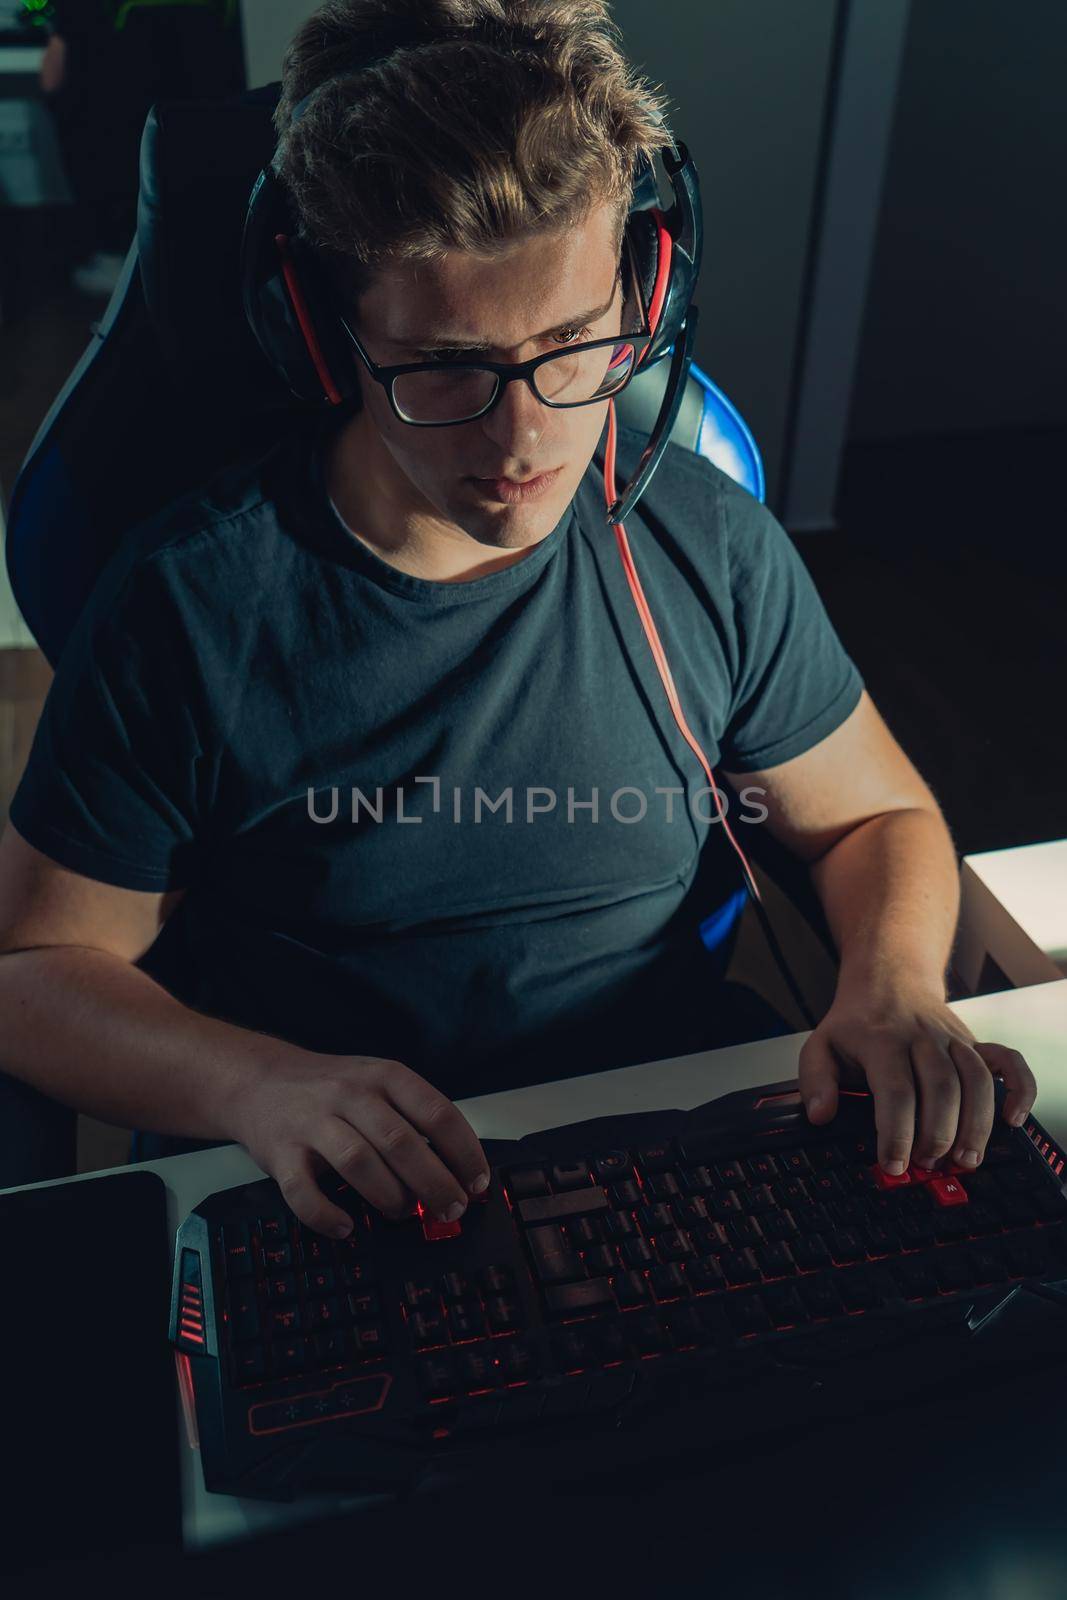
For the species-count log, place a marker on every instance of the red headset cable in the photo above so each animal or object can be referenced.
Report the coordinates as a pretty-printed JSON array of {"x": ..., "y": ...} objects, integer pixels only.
[{"x": 659, "y": 655}]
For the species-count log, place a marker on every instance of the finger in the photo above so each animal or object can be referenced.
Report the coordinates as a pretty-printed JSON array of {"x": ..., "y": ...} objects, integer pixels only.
[
  {"x": 892, "y": 1083},
  {"x": 295, "y": 1177},
  {"x": 1018, "y": 1079},
  {"x": 444, "y": 1124},
  {"x": 977, "y": 1103},
  {"x": 940, "y": 1097},
  {"x": 409, "y": 1156},
  {"x": 817, "y": 1072},
  {"x": 355, "y": 1158}
]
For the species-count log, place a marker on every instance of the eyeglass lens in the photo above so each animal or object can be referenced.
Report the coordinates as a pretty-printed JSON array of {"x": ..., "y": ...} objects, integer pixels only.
[{"x": 455, "y": 393}]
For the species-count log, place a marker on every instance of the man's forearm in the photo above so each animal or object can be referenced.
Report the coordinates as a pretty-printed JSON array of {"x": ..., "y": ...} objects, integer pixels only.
[
  {"x": 94, "y": 1032},
  {"x": 890, "y": 891}
]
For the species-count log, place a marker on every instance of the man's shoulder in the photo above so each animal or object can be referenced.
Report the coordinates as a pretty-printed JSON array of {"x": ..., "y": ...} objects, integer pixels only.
[
  {"x": 690, "y": 500},
  {"x": 241, "y": 499}
]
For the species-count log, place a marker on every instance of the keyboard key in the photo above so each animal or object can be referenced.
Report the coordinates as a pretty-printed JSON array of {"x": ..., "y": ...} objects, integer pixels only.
[
  {"x": 668, "y": 1282},
  {"x": 289, "y": 1356},
  {"x": 704, "y": 1276},
  {"x": 1025, "y": 1255},
  {"x": 916, "y": 1233},
  {"x": 784, "y": 1306},
  {"x": 882, "y": 1240},
  {"x": 611, "y": 1166},
  {"x": 277, "y": 1257},
  {"x": 844, "y": 1245},
  {"x": 244, "y": 1313},
  {"x": 425, "y": 1328},
  {"x": 724, "y": 1205},
  {"x": 729, "y": 1174},
  {"x": 826, "y": 1156},
  {"x": 646, "y": 1334},
  {"x": 657, "y": 1157},
  {"x": 889, "y": 1180},
  {"x": 497, "y": 1279},
  {"x": 696, "y": 1180},
  {"x": 418, "y": 1296},
  {"x": 758, "y": 1200},
  {"x": 762, "y": 1168},
  {"x": 915, "y": 1279},
  {"x": 953, "y": 1270},
  {"x": 570, "y": 1175},
  {"x": 741, "y": 1231},
  {"x": 740, "y": 1266},
  {"x": 249, "y": 1364},
  {"x": 819, "y": 1294},
  {"x": 747, "y": 1314},
  {"x": 435, "y": 1376},
  {"x": 457, "y": 1286},
  {"x": 284, "y": 1321},
  {"x": 369, "y": 1340},
  {"x": 630, "y": 1289},
  {"x": 319, "y": 1281},
  {"x": 575, "y": 1203},
  {"x": 554, "y": 1260},
  {"x": 948, "y": 1192},
  {"x": 662, "y": 1186},
  {"x": 477, "y": 1367},
  {"x": 624, "y": 1195},
  {"x": 503, "y": 1314},
  {"x": 685, "y": 1327},
  {"x": 273, "y": 1229},
  {"x": 778, "y": 1227},
  {"x": 654, "y": 1218},
  {"x": 523, "y": 1183},
  {"x": 859, "y": 1289},
  {"x": 575, "y": 1349},
  {"x": 466, "y": 1321},
  {"x": 986, "y": 1264},
  {"x": 672, "y": 1245},
  {"x": 331, "y": 1349},
  {"x": 576, "y": 1299},
  {"x": 636, "y": 1253},
  {"x": 811, "y": 1252},
  {"x": 584, "y": 1232},
  {"x": 322, "y": 1313},
  {"x": 601, "y": 1260},
  {"x": 776, "y": 1260},
  {"x": 281, "y": 1286},
  {"x": 519, "y": 1362},
  {"x": 794, "y": 1161},
  {"x": 613, "y": 1342},
  {"x": 237, "y": 1249}
]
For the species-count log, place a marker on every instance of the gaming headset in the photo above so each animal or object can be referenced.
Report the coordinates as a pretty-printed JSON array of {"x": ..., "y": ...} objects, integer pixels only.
[{"x": 292, "y": 312}]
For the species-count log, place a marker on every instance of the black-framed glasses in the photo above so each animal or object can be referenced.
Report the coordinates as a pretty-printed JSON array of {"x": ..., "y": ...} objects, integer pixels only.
[{"x": 441, "y": 394}]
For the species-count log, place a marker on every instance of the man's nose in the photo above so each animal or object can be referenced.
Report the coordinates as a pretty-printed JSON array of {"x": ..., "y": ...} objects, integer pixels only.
[{"x": 518, "y": 419}]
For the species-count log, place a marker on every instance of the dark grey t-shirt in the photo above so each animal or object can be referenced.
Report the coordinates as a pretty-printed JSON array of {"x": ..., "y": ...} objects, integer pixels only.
[{"x": 320, "y": 748}]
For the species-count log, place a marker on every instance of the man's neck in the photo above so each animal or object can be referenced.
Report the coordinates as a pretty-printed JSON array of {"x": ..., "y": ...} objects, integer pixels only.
[{"x": 388, "y": 516}]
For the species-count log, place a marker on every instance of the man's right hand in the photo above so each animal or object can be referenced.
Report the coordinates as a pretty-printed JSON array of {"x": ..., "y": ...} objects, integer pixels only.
[{"x": 369, "y": 1119}]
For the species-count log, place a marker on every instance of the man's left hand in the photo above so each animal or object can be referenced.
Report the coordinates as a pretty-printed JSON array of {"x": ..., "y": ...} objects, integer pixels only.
[{"x": 932, "y": 1082}]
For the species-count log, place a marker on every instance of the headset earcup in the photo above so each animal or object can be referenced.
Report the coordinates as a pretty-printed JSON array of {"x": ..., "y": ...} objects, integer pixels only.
[
  {"x": 318, "y": 365},
  {"x": 644, "y": 239}
]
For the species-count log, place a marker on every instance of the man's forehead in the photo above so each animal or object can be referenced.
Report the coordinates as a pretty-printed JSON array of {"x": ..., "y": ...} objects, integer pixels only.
[{"x": 465, "y": 301}]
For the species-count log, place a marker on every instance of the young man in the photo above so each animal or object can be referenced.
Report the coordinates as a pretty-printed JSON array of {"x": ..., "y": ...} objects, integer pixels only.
[{"x": 360, "y": 727}]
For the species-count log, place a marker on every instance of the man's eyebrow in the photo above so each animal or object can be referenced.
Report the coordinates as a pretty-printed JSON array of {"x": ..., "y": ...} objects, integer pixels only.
[{"x": 440, "y": 342}]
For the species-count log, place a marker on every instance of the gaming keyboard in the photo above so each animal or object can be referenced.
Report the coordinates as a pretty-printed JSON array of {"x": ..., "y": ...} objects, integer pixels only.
[{"x": 644, "y": 1285}]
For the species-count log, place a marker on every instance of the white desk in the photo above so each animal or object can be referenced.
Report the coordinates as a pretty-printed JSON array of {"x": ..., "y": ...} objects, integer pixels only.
[
  {"x": 1032, "y": 1020},
  {"x": 1013, "y": 910}
]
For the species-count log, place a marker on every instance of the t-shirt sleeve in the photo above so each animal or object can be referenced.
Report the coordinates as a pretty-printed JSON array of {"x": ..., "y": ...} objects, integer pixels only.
[
  {"x": 793, "y": 680},
  {"x": 110, "y": 787}
]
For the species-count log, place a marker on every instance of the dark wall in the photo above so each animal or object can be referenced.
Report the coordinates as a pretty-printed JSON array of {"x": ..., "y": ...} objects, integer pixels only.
[{"x": 966, "y": 320}]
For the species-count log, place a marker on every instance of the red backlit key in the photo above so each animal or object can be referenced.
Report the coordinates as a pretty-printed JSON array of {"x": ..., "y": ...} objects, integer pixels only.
[
  {"x": 948, "y": 1192},
  {"x": 886, "y": 1180},
  {"x": 433, "y": 1230}
]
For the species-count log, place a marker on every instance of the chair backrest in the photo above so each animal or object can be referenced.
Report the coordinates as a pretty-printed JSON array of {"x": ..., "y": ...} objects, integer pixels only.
[{"x": 173, "y": 385}]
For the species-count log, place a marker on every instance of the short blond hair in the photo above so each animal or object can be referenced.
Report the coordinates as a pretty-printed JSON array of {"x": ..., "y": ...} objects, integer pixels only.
[{"x": 483, "y": 121}]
